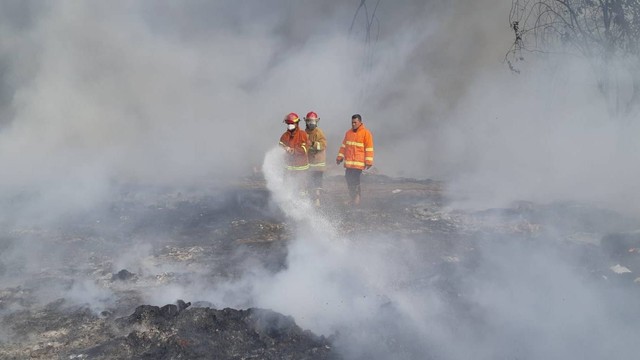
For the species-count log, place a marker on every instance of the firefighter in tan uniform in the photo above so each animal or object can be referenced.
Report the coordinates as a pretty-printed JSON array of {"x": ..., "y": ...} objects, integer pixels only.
[
  {"x": 357, "y": 153},
  {"x": 317, "y": 154}
]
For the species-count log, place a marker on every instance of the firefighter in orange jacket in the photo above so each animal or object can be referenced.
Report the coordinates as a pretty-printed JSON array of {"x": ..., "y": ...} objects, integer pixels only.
[
  {"x": 296, "y": 143},
  {"x": 357, "y": 153},
  {"x": 317, "y": 153}
]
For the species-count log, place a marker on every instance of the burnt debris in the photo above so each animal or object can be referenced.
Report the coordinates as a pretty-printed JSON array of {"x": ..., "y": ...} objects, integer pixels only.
[
  {"x": 175, "y": 332},
  {"x": 105, "y": 264},
  {"x": 122, "y": 275}
]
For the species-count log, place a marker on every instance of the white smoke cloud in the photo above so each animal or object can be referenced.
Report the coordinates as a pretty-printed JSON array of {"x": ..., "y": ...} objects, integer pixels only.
[
  {"x": 385, "y": 300},
  {"x": 153, "y": 92},
  {"x": 117, "y": 95}
]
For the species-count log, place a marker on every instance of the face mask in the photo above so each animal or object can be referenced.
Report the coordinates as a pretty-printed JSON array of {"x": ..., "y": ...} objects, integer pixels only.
[
  {"x": 311, "y": 126},
  {"x": 291, "y": 127}
]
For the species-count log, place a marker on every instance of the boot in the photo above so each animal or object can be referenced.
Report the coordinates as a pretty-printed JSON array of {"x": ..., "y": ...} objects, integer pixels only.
[
  {"x": 356, "y": 198},
  {"x": 352, "y": 196}
]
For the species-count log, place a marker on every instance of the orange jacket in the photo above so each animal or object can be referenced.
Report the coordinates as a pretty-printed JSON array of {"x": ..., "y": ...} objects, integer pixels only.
[
  {"x": 317, "y": 152},
  {"x": 299, "y": 142},
  {"x": 357, "y": 148}
]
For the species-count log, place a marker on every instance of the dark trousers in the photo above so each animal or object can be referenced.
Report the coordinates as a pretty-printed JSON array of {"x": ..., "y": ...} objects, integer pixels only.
[
  {"x": 315, "y": 179},
  {"x": 353, "y": 181}
]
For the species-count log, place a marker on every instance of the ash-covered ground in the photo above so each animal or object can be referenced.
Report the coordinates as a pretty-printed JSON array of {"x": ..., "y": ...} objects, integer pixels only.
[{"x": 160, "y": 273}]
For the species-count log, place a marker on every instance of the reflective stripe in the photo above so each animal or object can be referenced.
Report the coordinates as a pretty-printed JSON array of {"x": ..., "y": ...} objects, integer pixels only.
[
  {"x": 342, "y": 146},
  {"x": 340, "y": 155},
  {"x": 358, "y": 144},
  {"x": 305, "y": 167},
  {"x": 369, "y": 158},
  {"x": 354, "y": 163},
  {"x": 318, "y": 164},
  {"x": 283, "y": 144},
  {"x": 368, "y": 149},
  {"x": 304, "y": 148}
]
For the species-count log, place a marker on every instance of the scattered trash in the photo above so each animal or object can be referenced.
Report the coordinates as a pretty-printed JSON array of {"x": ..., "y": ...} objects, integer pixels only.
[
  {"x": 79, "y": 356},
  {"x": 619, "y": 269},
  {"x": 451, "y": 259}
]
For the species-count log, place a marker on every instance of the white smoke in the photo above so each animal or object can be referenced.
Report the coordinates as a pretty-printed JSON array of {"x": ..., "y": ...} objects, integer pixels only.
[
  {"x": 384, "y": 300},
  {"x": 325, "y": 276}
]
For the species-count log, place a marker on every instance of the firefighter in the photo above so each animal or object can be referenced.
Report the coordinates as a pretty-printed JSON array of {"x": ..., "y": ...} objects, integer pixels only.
[
  {"x": 295, "y": 143},
  {"x": 317, "y": 153},
  {"x": 357, "y": 153}
]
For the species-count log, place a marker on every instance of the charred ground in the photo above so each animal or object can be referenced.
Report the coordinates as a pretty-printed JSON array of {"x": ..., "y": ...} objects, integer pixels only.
[{"x": 68, "y": 290}]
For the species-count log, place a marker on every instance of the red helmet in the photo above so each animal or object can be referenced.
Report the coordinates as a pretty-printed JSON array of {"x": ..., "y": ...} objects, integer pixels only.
[
  {"x": 311, "y": 116},
  {"x": 291, "y": 118}
]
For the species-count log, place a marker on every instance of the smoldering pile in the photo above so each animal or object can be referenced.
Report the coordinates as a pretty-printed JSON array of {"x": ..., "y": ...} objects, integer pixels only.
[{"x": 169, "y": 332}]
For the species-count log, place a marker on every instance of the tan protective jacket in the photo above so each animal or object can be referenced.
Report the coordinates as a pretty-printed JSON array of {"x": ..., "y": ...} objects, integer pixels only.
[{"x": 318, "y": 149}]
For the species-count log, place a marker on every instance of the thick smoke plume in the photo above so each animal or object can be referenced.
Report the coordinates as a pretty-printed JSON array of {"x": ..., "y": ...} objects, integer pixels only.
[
  {"x": 96, "y": 95},
  {"x": 525, "y": 300}
]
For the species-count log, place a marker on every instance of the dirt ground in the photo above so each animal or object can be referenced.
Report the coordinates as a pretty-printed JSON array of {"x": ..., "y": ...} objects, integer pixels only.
[{"x": 53, "y": 274}]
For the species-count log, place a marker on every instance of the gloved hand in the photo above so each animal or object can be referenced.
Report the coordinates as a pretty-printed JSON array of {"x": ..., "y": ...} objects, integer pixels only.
[
  {"x": 367, "y": 167},
  {"x": 289, "y": 150},
  {"x": 338, "y": 161}
]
